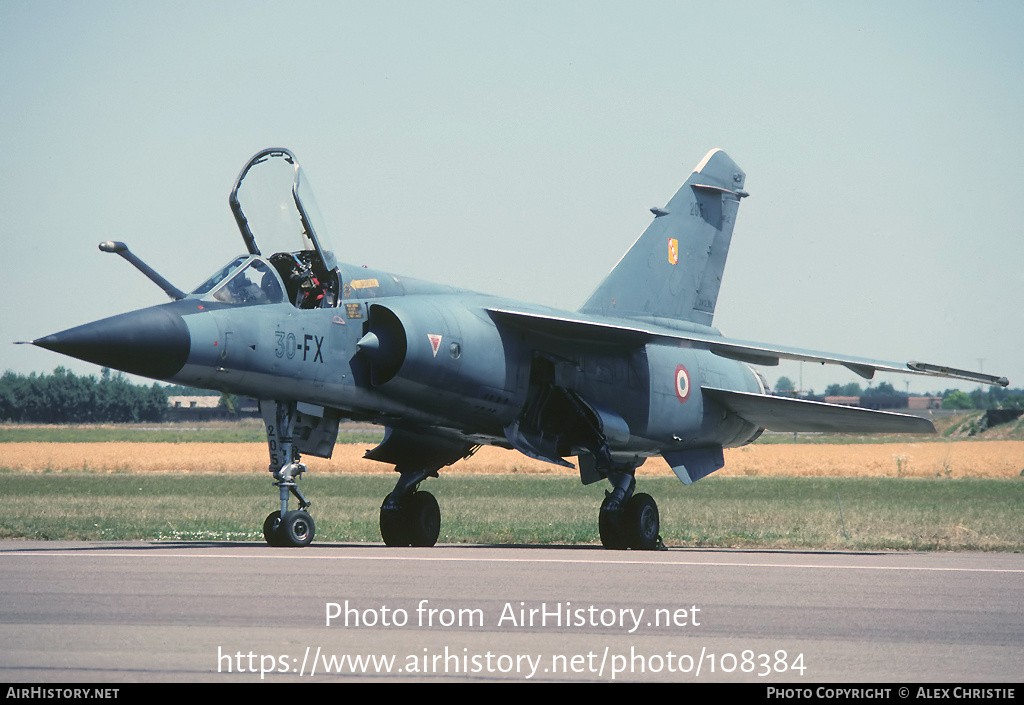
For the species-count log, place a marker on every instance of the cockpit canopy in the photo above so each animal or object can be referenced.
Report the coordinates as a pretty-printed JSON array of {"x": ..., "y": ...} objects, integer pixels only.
[{"x": 277, "y": 215}]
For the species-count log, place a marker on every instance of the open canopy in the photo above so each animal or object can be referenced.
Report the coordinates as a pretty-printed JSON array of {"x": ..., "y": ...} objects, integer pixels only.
[{"x": 277, "y": 215}]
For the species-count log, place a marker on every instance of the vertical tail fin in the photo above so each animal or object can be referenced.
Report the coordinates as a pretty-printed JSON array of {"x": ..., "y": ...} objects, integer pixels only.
[{"x": 674, "y": 270}]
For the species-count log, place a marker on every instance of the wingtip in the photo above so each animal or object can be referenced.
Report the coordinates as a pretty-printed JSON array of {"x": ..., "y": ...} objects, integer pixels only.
[{"x": 954, "y": 373}]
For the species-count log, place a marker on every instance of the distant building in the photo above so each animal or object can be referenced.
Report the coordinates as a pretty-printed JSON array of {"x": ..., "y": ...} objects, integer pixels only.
[
  {"x": 881, "y": 402},
  {"x": 204, "y": 407},
  {"x": 194, "y": 402}
]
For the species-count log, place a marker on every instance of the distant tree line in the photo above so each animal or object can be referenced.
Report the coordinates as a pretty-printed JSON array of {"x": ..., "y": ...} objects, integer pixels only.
[
  {"x": 980, "y": 398},
  {"x": 64, "y": 397}
]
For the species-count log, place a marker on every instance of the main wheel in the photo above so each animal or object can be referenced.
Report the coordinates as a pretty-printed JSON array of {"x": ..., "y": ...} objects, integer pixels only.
[
  {"x": 423, "y": 517},
  {"x": 296, "y": 529},
  {"x": 610, "y": 527},
  {"x": 393, "y": 525},
  {"x": 642, "y": 522}
]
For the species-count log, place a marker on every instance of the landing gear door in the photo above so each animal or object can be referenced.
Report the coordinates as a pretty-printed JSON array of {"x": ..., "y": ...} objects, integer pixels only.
[{"x": 276, "y": 213}]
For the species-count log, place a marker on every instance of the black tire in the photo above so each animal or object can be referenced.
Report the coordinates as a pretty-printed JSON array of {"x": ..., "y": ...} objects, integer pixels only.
[
  {"x": 610, "y": 527},
  {"x": 393, "y": 526},
  {"x": 272, "y": 529},
  {"x": 642, "y": 522},
  {"x": 297, "y": 529},
  {"x": 423, "y": 519}
]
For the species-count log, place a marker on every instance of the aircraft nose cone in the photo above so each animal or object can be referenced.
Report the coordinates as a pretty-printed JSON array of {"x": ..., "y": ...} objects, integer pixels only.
[{"x": 153, "y": 342}]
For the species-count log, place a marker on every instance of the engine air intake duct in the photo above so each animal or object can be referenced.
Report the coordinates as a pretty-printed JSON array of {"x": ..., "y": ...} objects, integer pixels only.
[{"x": 420, "y": 347}]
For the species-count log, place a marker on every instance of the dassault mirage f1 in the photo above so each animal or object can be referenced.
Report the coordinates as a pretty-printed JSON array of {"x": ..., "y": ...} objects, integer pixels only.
[{"x": 638, "y": 371}]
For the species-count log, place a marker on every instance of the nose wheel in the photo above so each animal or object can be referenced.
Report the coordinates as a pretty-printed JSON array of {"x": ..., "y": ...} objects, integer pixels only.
[{"x": 294, "y": 529}]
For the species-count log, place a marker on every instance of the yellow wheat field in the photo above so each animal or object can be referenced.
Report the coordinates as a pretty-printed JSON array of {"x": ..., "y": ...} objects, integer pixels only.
[{"x": 992, "y": 459}]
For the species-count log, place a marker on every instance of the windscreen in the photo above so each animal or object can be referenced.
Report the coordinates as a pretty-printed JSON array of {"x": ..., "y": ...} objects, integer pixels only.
[
  {"x": 220, "y": 275},
  {"x": 256, "y": 283}
]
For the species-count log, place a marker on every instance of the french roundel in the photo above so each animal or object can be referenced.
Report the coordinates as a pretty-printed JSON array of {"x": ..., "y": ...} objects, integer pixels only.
[{"x": 682, "y": 383}]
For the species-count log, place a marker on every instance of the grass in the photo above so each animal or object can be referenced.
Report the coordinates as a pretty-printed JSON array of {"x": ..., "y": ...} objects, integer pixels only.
[
  {"x": 763, "y": 512},
  {"x": 157, "y": 482},
  {"x": 242, "y": 431}
]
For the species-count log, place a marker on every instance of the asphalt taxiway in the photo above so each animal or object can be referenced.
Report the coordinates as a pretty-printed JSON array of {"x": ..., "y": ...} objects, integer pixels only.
[{"x": 222, "y": 612}]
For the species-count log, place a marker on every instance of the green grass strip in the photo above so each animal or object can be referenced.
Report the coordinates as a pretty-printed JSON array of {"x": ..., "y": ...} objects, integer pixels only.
[{"x": 877, "y": 513}]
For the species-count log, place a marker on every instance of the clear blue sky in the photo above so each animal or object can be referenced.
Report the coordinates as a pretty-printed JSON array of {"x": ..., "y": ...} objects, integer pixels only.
[{"x": 515, "y": 148}]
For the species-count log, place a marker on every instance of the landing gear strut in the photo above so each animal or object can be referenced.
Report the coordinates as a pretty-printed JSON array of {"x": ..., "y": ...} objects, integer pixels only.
[
  {"x": 628, "y": 520},
  {"x": 409, "y": 517},
  {"x": 286, "y": 528}
]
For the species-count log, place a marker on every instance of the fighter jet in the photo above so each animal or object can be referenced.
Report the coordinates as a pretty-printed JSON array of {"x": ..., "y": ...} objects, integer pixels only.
[{"x": 638, "y": 371}]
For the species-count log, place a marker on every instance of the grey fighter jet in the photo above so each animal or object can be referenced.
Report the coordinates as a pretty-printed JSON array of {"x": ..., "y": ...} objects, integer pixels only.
[{"x": 638, "y": 371}]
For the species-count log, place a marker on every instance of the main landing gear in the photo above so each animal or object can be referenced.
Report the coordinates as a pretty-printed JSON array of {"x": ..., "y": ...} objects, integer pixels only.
[
  {"x": 409, "y": 517},
  {"x": 628, "y": 520},
  {"x": 557, "y": 421},
  {"x": 286, "y": 528}
]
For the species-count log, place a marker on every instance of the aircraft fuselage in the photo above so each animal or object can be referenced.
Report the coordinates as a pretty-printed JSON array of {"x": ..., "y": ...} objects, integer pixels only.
[{"x": 460, "y": 373}]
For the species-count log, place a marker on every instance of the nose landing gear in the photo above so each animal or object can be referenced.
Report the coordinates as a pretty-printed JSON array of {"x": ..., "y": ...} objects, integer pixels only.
[{"x": 286, "y": 528}]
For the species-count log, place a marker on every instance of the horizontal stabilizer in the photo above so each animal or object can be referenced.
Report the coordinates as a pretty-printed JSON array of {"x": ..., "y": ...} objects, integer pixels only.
[{"x": 789, "y": 415}]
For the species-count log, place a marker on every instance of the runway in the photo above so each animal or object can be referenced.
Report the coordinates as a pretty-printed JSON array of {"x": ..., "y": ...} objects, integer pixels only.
[{"x": 225, "y": 612}]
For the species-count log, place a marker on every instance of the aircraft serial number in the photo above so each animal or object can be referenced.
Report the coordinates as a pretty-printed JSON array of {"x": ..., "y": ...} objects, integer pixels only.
[{"x": 288, "y": 346}]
